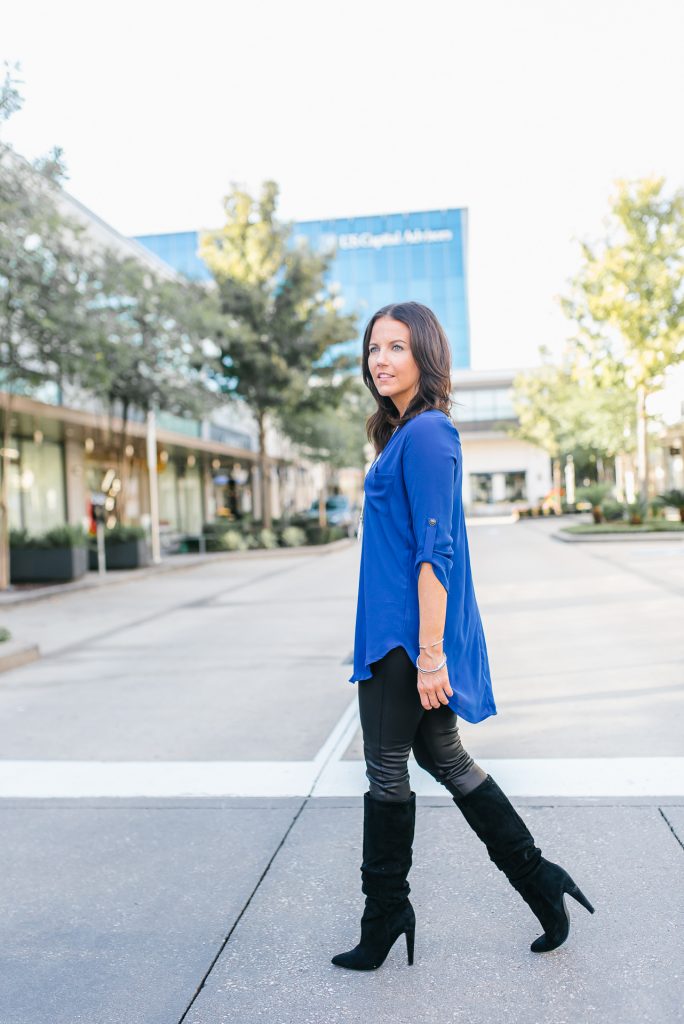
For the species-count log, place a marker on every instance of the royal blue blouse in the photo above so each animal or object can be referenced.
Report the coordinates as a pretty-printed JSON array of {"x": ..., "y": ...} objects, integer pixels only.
[{"x": 413, "y": 513}]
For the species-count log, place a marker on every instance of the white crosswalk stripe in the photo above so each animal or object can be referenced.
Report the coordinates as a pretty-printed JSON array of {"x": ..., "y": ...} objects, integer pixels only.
[
  {"x": 328, "y": 775},
  {"x": 561, "y": 777}
]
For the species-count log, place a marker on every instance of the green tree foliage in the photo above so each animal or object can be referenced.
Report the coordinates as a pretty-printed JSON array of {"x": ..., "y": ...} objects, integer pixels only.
[
  {"x": 335, "y": 434},
  {"x": 44, "y": 328},
  {"x": 280, "y": 322},
  {"x": 152, "y": 339},
  {"x": 567, "y": 412},
  {"x": 151, "y": 346},
  {"x": 627, "y": 299},
  {"x": 73, "y": 313},
  {"x": 44, "y": 277}
]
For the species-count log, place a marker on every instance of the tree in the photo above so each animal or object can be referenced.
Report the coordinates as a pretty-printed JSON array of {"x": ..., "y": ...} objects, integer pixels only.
[
  {"x": 627, "y": 299},
  {"x": 280, "y": 321},
  {"x": 334, "y": 435},
  {"x": 73, "y": 313},
  {"x": 153, "y": 345},
  {"x": 44, "y": 327},
  {"x": 567, "y": 412}
]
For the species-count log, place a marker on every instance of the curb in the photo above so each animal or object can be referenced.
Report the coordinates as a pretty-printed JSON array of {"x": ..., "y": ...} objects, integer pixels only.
[
  {"x": 14, "y": 653},
  {"x": 116, "y": 576},
  {"x": 613, "y": 538}
]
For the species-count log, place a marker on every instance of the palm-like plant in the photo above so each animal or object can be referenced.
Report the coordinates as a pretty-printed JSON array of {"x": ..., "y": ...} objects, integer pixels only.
[
  {"x": 637, "y": 511},
  {"x": 594, "y": 493},
  {"x": 675, "y": 499}
]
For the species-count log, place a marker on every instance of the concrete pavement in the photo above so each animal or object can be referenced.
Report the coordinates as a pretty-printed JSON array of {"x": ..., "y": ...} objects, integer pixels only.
[{"x": 221, "y": 894}]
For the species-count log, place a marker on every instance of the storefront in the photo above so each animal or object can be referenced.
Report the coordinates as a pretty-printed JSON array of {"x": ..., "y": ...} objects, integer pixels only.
[
  {"x": 37, "y": 498},
  {"x": 180, "y": 493}
]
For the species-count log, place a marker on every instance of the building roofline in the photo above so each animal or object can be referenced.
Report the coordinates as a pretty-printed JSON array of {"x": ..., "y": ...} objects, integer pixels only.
[
  {"x": 130, "y": 242},
  {"x": 386, "y": 213},
  {"x": 63, "y": 196}
]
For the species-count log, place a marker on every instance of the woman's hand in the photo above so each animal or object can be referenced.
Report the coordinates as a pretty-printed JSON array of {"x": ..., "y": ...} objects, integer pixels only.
[{"x": 433, "y": 687}]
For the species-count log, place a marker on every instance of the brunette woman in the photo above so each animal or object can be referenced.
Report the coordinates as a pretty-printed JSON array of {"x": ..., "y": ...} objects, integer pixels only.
[{"x": 420, "y": 657}]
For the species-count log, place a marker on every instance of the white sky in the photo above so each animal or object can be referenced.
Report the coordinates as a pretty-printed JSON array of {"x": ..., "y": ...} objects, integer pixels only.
[{"x": 524, "y": 111}]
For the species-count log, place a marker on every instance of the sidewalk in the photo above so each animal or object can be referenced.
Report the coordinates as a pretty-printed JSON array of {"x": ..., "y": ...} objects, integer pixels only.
[
  {"x": 217, "y": 912},
  {"x": 181, "y": 796},
  {"x": 23, "y": 593}
]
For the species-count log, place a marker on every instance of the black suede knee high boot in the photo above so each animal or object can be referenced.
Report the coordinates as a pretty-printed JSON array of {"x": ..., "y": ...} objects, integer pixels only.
[
  {"x": 388, "y": 829},
  {"x": 540, "y": 882}
]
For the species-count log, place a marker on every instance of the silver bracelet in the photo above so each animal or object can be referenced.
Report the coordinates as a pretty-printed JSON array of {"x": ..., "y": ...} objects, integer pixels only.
[
  {"x": 428, "y": 670},
  {"x": 422, "y": 646}
]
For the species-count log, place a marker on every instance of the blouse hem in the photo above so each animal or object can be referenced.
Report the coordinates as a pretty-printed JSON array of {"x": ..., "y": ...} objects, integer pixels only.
[{"x": 468, "y": 715}]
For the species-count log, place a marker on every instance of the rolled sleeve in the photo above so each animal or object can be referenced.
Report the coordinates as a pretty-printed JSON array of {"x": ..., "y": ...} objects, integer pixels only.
[{"x": 429, "y": 467}]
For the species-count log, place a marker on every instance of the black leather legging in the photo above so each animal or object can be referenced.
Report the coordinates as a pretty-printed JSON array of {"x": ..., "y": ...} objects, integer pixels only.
[{"x": 393, "y": 721}]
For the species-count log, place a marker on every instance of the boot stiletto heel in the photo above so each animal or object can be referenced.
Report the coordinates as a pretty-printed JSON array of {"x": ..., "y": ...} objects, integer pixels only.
[
  {"x": 388, "y": 827},
  {"x": 540, "y": 882},
  {"x": 410, "y": 936},
  {"x": 578, "y": 895}
]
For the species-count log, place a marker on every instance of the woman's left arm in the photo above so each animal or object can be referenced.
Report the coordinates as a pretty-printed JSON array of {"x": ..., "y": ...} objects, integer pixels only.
[
  {"x": 429, "y": 465},
  {"x": 434, "y": 687}
]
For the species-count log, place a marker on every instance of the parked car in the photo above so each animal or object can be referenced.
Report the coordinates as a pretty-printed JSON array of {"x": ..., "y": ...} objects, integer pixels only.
[{"x": 338, "y": 511}]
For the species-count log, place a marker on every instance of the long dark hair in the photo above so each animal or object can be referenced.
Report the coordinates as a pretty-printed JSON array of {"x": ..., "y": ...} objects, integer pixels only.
[{"x": 431, "y": 351}]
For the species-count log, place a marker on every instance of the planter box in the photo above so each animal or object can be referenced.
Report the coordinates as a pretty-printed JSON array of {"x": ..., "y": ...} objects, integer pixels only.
[
  {"x": 38, "y": 565},
  {"x": 131, "y": 554}
]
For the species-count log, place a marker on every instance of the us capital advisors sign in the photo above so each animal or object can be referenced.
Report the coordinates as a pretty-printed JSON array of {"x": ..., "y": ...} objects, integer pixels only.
[{"x": 368, "y": 240}]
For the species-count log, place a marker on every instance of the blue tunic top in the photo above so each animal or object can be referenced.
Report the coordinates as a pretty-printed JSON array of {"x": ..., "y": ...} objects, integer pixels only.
[{"x": 413, "y": 513}]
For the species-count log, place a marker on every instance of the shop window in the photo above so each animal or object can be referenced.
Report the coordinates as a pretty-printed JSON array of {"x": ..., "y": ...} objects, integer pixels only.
[
  {"x": 481, "y": 487},
  {"x": 516, "y": 486},
  {"x": 37, "y": 500}
]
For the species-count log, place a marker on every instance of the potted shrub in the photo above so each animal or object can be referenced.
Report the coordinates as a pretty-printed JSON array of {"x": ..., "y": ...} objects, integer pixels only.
[
  {"x": 675, "y": 499},
  {"x": 613, "y": 511},
  {"x": 230, "y": 540},
  {"x": 267, "y": 538},
  {"x": 58, "y": 555},
  {"x": 637, "y": 511},
  {"x": 594, "y": 494},
  {"x": 293, "y": 537},
  {"x": 125, "y": 548},
  {"x": 316, "y": 534}
]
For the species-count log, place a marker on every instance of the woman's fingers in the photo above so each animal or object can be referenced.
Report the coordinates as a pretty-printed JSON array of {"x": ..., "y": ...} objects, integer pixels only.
[
  {"x": 433, "y": 693},
  {"x": 426, "y": 697}
]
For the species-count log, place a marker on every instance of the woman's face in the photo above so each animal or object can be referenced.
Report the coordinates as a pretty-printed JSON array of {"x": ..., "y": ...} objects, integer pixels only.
[{"x": 391, "y": 364}]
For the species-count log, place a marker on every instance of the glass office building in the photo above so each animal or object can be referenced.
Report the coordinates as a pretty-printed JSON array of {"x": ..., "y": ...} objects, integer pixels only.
[{"x": 376, "y": 260}]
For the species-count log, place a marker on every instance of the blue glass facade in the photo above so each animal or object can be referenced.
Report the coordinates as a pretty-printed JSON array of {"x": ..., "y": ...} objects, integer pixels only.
[{"x": 377, "y": 260}]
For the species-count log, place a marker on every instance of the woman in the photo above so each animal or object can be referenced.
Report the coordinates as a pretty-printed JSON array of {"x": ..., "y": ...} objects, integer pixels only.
[{"x": 420, "y": 656}]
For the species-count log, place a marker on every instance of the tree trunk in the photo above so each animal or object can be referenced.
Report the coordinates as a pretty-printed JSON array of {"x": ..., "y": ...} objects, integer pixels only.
[
  {"x": 265, "y": 475},
  {"x": 620, "y": 476},
  {"x": 642, "y": 443}
]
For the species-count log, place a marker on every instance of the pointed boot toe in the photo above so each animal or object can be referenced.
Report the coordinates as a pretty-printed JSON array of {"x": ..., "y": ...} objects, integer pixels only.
[
  {"x": 381, "y": 926},
  {"x": 511, "y": 847},
  {"x": 387, "y": 856}
]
